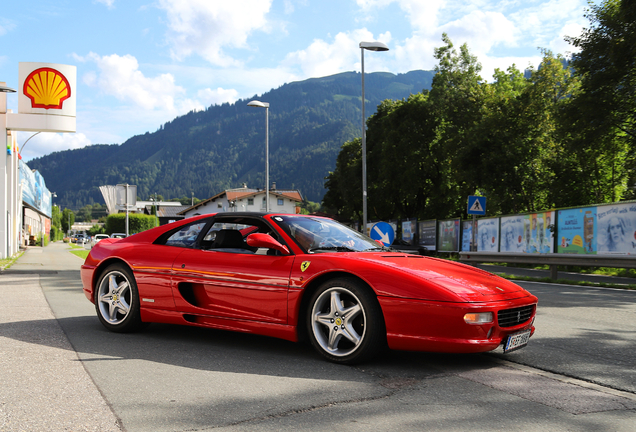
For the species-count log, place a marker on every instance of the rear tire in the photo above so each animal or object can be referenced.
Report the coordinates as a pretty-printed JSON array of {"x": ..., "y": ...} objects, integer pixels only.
[
  {"x": 117, "y": 300},
  {"x": 345, "y": 322}
]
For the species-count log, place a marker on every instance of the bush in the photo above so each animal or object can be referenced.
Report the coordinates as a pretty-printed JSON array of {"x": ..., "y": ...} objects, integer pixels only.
[
  {"x": 96, "y": 229},
  {"x": 116, "y": 223},
  {"x": 56, "y": 234}
]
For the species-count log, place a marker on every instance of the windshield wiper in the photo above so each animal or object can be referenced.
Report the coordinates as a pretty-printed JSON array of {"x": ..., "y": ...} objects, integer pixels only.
[{"x": 332, "y": 248}]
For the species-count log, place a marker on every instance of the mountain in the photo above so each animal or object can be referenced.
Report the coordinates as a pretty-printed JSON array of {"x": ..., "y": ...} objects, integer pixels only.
[{"x": 206, "y": 152}]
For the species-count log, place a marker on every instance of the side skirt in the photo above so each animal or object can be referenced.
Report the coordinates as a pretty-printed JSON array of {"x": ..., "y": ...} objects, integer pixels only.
[{"x": 280, "y": 331}]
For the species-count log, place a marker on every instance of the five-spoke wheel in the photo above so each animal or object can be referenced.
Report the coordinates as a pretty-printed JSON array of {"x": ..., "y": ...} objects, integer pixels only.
[
  {"x": 345, "y": 322},
  {"x": 117, "y": 299}
]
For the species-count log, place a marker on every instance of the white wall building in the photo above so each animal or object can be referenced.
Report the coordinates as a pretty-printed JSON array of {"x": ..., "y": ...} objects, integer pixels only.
[{"x": 248, "y": 200}]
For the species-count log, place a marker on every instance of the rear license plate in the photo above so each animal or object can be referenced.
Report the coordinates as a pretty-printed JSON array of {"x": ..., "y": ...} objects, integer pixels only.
[{"x": 517, "y": 340}]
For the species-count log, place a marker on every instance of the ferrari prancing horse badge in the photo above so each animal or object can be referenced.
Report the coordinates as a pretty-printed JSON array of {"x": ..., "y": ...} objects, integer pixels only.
[{"x": 304, "y": 265}]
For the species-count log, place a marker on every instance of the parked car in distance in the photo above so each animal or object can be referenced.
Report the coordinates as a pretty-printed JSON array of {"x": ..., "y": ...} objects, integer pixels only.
[
  {"x": 98, "y": 237},
  {"x": 118, "y": 235},
  {"x": 80, "y": 239}
]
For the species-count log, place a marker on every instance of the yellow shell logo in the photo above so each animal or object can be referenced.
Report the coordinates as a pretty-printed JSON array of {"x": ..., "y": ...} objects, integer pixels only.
[{"x": 47, "y": 88}]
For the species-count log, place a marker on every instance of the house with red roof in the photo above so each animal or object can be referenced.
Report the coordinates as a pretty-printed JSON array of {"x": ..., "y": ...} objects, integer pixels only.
[{"x": 248, "y": 200}]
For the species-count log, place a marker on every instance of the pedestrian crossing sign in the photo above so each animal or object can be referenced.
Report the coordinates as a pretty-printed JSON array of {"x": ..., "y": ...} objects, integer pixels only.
[{"x": 476, "y": 205}]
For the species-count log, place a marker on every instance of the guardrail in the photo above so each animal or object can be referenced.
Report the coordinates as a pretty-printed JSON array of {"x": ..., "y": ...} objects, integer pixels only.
[{"x": 553, "y": 260}]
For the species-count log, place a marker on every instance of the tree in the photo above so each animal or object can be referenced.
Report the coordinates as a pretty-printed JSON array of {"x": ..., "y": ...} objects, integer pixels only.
[
  {"x": 344, "y": 184},
  {"x": 605, "y": 110},
  {"x": 67, "y": 220}
]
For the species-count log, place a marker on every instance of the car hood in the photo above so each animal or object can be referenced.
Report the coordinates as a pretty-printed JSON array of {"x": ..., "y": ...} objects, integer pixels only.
[{"x": 464, "y": 281}]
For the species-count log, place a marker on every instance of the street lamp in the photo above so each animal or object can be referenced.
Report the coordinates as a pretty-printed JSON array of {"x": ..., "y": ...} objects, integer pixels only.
[
  {"x": 265, "y": 105},
  {"x": 371, "y": 46}
]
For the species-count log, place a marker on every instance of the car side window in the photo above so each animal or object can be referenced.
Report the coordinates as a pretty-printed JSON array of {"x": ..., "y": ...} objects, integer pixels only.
[
  {"x": 186, "y": 236},
  {"x": 229, "y": 235}
]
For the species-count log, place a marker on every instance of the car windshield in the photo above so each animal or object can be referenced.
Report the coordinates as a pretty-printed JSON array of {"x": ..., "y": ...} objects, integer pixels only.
[{"x": 324, "y": 235}]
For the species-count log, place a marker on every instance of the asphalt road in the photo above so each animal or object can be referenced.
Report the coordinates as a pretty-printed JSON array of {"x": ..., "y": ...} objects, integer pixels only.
[{"x": 577, "y": 373}]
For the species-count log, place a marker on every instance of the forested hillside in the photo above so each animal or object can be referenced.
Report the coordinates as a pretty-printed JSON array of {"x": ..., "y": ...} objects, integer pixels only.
[{"x": 222, "y": 147}]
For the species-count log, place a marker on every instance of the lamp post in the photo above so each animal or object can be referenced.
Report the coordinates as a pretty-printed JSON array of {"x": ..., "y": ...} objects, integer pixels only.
[
  {"x": 265, "y": 105},
  {"x": 371, "y": 46}
]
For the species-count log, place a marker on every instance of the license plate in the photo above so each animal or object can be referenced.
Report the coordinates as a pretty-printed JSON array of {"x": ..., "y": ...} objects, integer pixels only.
[{"x": 517, "y": 340}]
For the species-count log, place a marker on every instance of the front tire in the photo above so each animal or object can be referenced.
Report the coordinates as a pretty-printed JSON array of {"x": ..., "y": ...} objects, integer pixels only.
[
  {"x": 345, "y": 322},
  {"x": 117, "y": 300}
]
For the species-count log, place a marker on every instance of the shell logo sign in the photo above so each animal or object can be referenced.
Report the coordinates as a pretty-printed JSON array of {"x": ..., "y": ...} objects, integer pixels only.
[{"x": 47, "y": 88}]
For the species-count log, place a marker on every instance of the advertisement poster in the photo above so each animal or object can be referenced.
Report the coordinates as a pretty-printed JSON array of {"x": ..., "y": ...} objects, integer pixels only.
[
  {"x": 427, "y": 230},
  {"x": 512, "y": 234},
  {"x": 408, "y": 230},
  {"x": 616, "y": 229},
  {"x": 577, "y": 231},
  {"x": 488, "y": 235},
  {"x": 448, "y": 240},
  {"x": 467, "y": 235},
  {"x": 530, "y": 233},
  {"x": 34, "y": 191}
]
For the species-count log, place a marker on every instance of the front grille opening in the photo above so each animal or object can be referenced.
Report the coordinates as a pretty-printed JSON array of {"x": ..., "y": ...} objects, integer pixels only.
[{"x": 514, "y": 317}]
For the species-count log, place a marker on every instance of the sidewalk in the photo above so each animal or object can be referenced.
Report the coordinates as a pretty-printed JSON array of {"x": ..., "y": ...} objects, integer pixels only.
[{"x": 44, "y": 386}]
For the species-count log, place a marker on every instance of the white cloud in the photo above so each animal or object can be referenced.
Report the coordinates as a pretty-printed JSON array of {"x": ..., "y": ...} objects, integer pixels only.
[
  {"x": 481, "y": 31},
  {"x": 423, "y": 15},
  {"x": 539, "y": 22},
  {"x": 5, "y": 26},
  {"x": 209, "y": 27},
  {"x": 219, "y": 96},
  {"x": 108, "y": 3},
  {"x": 46, "y": 143},
  {"x": 559, "y": 45},
  {"x": 343, "y": 54},
  {"x": 120, "y": 76}
]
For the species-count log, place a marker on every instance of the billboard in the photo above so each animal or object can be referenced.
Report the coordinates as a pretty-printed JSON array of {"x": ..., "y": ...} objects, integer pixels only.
[
  {"x": 409, "y": 229},
  {"x": 487, "y": 235},
  {"x": 34, "y": 191},
  {"x": 530, "y": 233},
  {"x": 601, "y": 230},
  {"x": 427, "y": 234},
  {"x": 448, "y": 240},
  {"x": 467, "y": 235},
  {"x": 616, "y": 229}
]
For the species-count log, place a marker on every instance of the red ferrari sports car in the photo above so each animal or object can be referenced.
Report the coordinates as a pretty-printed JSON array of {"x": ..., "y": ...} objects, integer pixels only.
[{"x": 297, "y": 277}]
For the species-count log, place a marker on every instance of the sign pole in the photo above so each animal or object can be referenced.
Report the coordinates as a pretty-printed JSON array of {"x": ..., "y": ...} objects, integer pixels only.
[
  {"x": 126, "y": 209},
  {"x": 473, "y": 246}
]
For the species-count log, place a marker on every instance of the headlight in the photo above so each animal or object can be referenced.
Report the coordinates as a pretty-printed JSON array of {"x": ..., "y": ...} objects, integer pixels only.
[{"x": 478, "y": 318}]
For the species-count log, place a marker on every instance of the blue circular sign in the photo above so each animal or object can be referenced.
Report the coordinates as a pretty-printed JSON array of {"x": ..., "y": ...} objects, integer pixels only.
[{"x": 383, "y": 232}]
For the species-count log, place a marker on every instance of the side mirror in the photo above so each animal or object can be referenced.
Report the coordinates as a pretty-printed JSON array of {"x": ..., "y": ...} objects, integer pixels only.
[{"x": 260, "y": 240}]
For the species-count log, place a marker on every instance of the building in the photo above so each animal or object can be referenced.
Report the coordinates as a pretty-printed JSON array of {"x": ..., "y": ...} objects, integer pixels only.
[
  {"x": 166, "y": 213},
  {"x": 247, "y": 200}
]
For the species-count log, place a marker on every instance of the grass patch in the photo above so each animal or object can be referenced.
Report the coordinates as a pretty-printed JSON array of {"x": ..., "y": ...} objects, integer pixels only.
[
  {"x": 5, "y": 263},
  {"x": 82, "y": 253}
]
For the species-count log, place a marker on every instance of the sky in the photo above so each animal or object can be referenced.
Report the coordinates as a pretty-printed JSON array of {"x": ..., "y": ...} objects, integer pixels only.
[{"x": 142, "y": 63}]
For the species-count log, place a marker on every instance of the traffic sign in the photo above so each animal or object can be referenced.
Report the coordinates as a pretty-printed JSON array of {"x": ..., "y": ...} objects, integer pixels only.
[
  {"x": 383, "y": 232},
  {"x": 476, "y": 205}
]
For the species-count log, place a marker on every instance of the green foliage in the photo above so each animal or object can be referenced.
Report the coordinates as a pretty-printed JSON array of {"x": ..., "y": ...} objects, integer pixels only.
[
  {"x": 309, "y": 207},
  {"x": 96, "y": 229},
  {"x": 56, "y": 233},
  {"x": 116, "y": 223},
  {"x": 67, "y": 220},
  {"x": 603, "y": 114}
]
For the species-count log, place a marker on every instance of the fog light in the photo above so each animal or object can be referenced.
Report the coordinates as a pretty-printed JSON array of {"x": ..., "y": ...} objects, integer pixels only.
[{"x": 478, "y": 318}]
